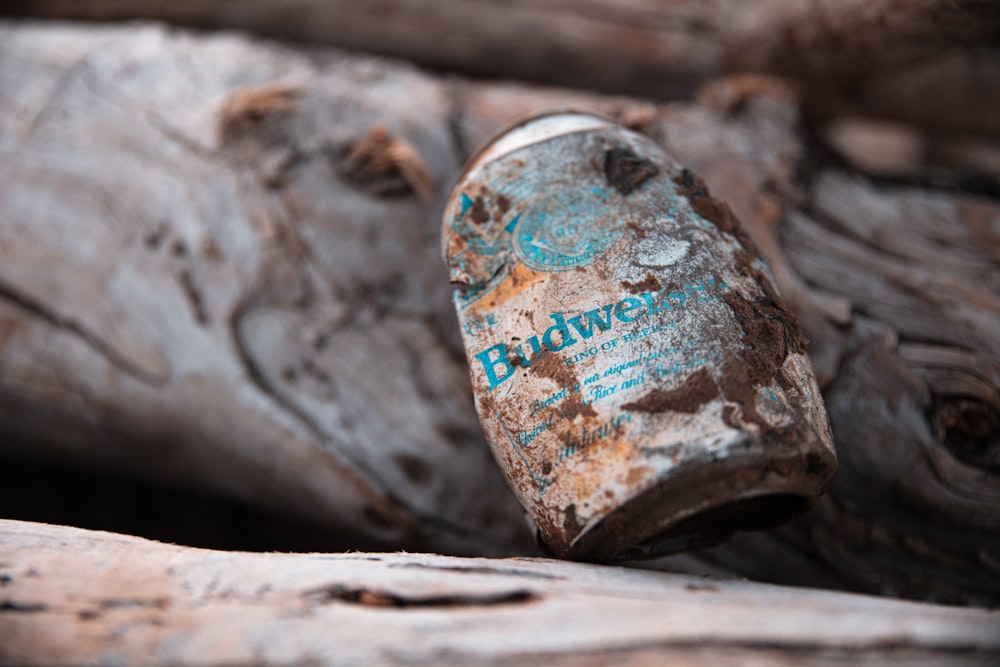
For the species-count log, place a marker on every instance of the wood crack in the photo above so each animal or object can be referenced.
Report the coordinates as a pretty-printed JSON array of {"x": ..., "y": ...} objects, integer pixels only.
[
  {"x": 78, "y": 331},
  {"x": 381, "y": 598}
]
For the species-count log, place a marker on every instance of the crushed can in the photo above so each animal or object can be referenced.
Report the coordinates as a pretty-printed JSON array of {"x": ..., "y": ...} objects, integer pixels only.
[{"x": 639, "y": 380}]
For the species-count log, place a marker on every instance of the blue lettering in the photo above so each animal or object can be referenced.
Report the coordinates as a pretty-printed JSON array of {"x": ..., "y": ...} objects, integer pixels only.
[
  {"x": 565, "y": 338},
  {"x": 490, "y": 363},
  {"x": 500, "y": 362},
  {"x": 626, "y": 305},
  {"x": 594, "y": 320}
]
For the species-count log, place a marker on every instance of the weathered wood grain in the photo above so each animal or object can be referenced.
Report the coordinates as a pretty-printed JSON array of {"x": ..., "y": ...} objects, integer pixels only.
[{"x": 73, "y": 597}]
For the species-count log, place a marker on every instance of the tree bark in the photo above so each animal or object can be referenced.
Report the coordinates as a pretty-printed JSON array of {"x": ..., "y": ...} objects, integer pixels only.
[
  {"x": 933, "y": 62},
  {"x": 219, "y": 266},
  {"x": 73, "y": 597}
]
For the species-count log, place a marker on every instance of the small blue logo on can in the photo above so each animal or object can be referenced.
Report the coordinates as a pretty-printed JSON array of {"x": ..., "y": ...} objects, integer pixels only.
[{"x": 568, "y": 229}]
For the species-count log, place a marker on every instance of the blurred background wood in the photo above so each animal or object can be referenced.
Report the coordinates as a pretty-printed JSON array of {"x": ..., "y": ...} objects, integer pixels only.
[
  {"x": 219, "y": 269},
  {"x": 935, "y": 63},
  {"x": 153, "y": 604}
]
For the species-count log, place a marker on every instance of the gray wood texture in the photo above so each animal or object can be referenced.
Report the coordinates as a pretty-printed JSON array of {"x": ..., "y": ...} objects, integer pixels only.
[{"x": 73, "y": 597}]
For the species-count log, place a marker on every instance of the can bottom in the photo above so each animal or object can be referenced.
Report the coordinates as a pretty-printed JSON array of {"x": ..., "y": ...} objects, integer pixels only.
[{"x": 699, "y": 508}]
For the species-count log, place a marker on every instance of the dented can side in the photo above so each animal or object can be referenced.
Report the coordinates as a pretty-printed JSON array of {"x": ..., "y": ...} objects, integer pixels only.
[{"x": 638, "y": 378}]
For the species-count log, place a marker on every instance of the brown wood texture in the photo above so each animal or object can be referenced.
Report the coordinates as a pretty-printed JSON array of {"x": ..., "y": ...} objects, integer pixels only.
[
  {"x": 69, "y": 596},
  {"x": 219, "y": 267},
  {"x": 934, "y": 62}
]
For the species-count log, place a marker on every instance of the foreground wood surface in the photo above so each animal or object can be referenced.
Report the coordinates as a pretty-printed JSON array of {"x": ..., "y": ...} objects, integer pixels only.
[
  {"x": 220, "y": 268},
  {"x": 71, "y": 597}
]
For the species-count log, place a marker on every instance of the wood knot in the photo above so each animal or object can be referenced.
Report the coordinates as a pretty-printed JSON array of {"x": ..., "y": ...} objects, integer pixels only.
[
  {"x": 388, "y": 165},
  {"x": 970, "y": 429},
  {"x": 247, "y": 107}
]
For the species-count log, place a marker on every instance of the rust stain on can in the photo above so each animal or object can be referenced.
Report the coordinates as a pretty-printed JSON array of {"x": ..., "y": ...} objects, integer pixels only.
[
  {"x": 639, "y": 381},
  {"x": 695, "y": 391}
]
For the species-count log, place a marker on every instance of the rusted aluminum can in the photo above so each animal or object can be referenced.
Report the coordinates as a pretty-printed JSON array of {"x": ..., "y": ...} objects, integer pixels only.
[{"x": 639, "y": 380}]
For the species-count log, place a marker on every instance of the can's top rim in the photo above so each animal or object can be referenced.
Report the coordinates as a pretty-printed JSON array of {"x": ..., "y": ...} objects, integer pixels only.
[{"x": 537, "y": 129}]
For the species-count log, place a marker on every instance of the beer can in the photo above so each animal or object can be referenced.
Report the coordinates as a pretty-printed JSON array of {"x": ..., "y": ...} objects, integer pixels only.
[{"x": 640, "y": 381}]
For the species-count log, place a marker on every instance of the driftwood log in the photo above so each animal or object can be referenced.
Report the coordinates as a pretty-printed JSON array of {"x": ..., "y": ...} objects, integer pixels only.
[
  {"x": 69, "y": 596},
  {"x": 219, "y": 266},
  {"x": 934, "y": 62}
]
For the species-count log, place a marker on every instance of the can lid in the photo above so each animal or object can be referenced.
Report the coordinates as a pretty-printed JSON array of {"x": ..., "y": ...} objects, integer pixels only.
[{"x": 537, "y": 129}]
